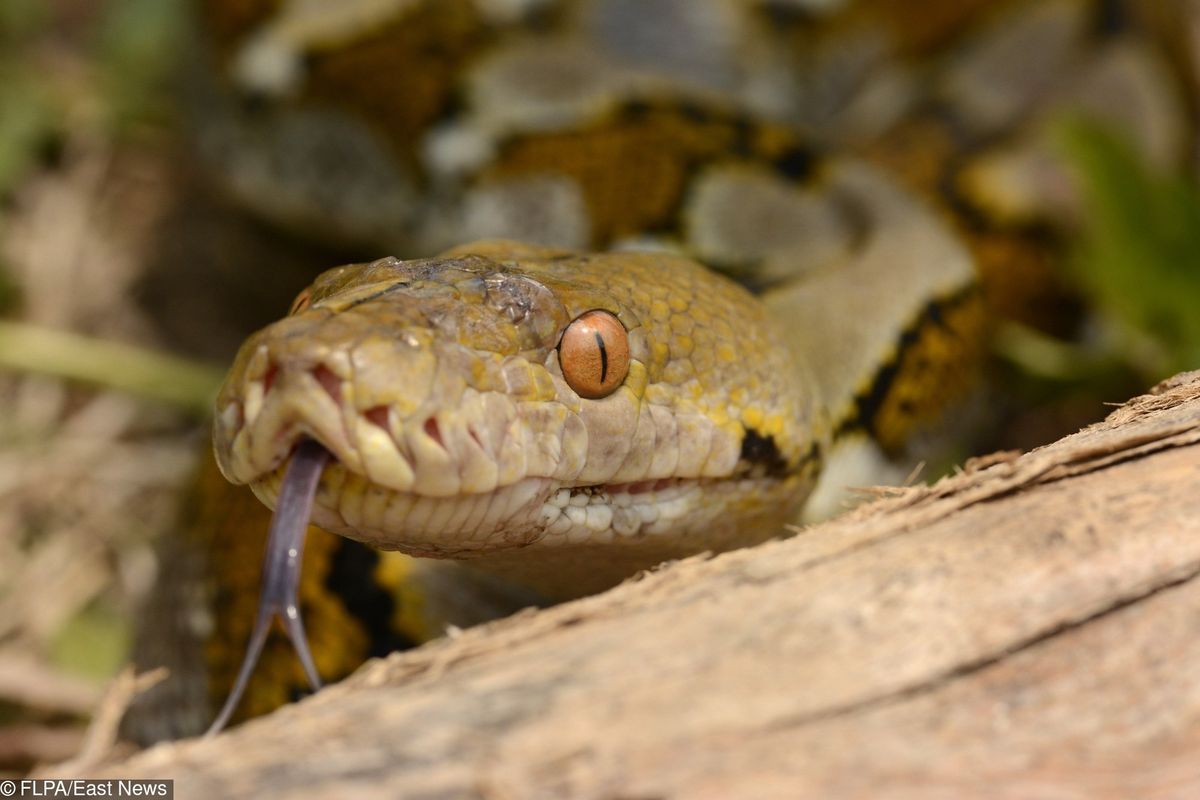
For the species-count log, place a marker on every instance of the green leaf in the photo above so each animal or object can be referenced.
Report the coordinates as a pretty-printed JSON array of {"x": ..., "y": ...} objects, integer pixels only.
[{"x": 1139, "y": 255}]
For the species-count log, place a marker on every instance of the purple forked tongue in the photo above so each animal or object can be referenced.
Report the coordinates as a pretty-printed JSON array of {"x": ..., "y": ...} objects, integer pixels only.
[{"x": 281, "y": 572}]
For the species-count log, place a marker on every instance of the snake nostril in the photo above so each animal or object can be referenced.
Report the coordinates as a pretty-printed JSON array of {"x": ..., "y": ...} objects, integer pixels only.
[
  {"x": 330, "y": 382},
  {"x": 433, "y": 431}
]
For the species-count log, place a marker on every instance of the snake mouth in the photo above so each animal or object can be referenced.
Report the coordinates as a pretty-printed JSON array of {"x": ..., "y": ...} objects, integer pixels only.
[
  {"x": 489, "y": 474},
  {"x": 532, "y": 511}
]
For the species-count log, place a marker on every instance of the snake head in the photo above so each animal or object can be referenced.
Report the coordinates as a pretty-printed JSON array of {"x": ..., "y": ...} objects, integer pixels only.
[{"x": 439, "y": 388}]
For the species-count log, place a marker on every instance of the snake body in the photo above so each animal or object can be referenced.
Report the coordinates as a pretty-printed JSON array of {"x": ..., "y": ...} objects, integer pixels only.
[{"x": 634, "y": 148}]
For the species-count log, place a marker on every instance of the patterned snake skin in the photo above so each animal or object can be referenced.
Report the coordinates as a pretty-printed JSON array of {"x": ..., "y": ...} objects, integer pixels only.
[{"x": 877, "y": 178}]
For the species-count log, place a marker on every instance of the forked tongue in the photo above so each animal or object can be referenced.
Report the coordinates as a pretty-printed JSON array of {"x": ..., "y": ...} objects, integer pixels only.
[{"x": 281, "y": 571}]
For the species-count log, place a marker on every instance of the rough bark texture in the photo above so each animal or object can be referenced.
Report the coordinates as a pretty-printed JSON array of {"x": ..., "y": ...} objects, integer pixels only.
[{"x": 1027, "y": 629}]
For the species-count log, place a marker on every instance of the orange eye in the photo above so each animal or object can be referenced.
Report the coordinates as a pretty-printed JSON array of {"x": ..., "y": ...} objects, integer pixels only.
[
  {"x": 594, "y": 354},
  {"x": 301, "y": 302}
]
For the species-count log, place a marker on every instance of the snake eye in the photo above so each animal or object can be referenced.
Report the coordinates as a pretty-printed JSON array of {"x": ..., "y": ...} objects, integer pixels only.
[
  {"x": 594, "y": 354},
  {"x": 301, "y": 302}
]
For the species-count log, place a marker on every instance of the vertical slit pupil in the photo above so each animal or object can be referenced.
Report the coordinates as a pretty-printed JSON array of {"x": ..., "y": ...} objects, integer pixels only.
[{"x": 603, "y": 356}]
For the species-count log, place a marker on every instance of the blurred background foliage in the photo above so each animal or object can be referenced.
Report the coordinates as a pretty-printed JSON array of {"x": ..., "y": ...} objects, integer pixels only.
[
  {"x": 79, "y": 69},
  {"x": 1138, "y": 256},
  {"x": 1135, "y": 261},
  {"x": 82, "y": 84},
  {"x": 101, "y": 66}
]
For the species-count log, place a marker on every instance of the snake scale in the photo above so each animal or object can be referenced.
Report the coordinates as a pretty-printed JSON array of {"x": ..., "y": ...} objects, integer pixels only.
[{"x": 673, "y": 270}]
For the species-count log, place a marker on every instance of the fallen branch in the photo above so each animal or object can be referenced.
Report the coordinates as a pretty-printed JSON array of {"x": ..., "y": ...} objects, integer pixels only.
[
  {"x": 100, "y": 739},
  {"x": 1027, "y": 628}
]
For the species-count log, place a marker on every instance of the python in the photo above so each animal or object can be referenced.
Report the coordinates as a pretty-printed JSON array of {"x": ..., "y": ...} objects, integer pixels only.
[{"x": 559, "y": 415}]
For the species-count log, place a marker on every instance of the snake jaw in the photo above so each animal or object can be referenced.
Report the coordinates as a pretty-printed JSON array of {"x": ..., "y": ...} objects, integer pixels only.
[{"x": 464, "y": 526}]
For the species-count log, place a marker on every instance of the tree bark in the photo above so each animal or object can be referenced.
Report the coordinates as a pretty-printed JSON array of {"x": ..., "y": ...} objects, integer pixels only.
[{"x": 1027, "y": 628}]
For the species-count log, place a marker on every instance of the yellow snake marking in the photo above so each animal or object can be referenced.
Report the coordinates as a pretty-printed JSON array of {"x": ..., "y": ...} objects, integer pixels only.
[{"x": 937, "y": 357}]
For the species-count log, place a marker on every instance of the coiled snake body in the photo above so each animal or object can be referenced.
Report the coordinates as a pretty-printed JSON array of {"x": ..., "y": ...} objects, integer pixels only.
[{"x": 672, "y": 134}]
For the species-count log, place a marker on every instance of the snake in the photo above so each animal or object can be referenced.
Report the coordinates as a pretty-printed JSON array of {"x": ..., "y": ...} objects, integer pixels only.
[{"x": 670, "y": 276}]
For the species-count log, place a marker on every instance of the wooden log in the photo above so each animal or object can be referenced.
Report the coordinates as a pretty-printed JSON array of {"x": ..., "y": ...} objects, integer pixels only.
[{"x": 1029, "y": 628}]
